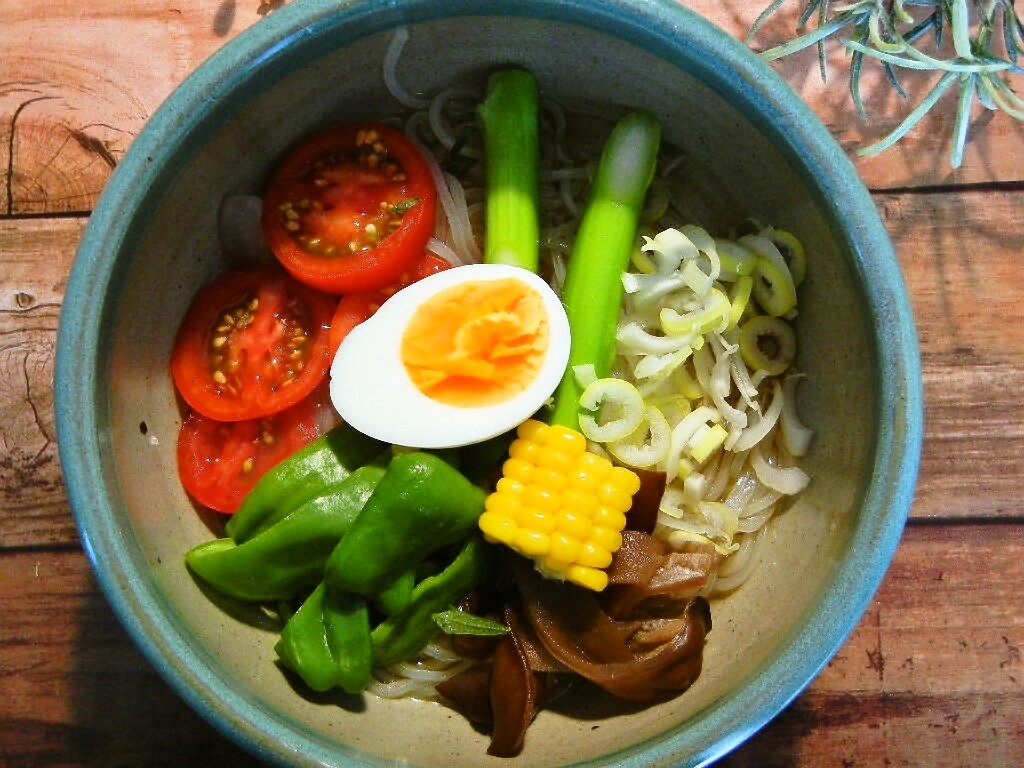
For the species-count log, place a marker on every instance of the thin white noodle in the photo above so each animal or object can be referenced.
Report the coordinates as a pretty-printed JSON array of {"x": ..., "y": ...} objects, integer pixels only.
[
  {"x": 439, "y": 124},
  {"x": 758, "y": 431},
  {"x": 441, "y": 653},
  {"x": 739, "y": 566},
  {"x": 391, "y": 56},
  {"x": 764, "y": 499},
  {"x": 795, "y": 436},
  {"x": 565, "y": 192},
  {"x": 401, "y": 688},
  {"x": 786, "y": 480},
  {"x": 453, "y": 209},
  {"x": 420, "y": 673},
  {"x": 754, "y": 523},
  {"x": 720, "y": 475},
  {"x": 442, "y": 249},
  {"x": 461, "y": 224}
]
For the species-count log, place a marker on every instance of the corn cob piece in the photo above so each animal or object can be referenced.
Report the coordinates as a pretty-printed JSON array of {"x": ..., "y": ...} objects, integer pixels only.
[{"x": 560, "y": 504}]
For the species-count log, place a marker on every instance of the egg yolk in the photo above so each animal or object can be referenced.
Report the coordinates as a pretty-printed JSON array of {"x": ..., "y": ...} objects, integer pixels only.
[{"x": 478, "y": 343}]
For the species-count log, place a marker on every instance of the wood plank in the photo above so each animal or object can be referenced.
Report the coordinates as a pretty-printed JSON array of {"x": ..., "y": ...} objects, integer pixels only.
[
  {"x": 76, "y": 690},
  {"x": 35, "y": 257},
  {"x": 931, "y": 676},
  {"x": 70, "y": 104},
  {"x": 971, "y": 327},
  {"x": 77, "y": 85},
  {"x": 933, "y": 673}
]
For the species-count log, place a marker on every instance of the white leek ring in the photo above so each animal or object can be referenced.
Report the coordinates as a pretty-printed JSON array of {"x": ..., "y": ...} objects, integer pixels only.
[{"x": 614, "y": 396}]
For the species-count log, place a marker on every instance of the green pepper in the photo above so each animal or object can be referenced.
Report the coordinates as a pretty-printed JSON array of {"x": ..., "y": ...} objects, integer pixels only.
[
  {"x": 287, "y": 558},
  {"x": 398, "y": 594},
  {"x": 327, "y": 642},
  {"x": 303, "y": 476},
  {"x": 404, "y": 634},
  {"x": 421, "y": 505}
]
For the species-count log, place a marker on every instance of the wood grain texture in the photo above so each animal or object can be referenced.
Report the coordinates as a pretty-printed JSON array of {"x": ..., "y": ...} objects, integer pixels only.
[
  {"x": 77, "y": 83},
  {"x": 959, "y": 251},
  {"x": 76, "y": 86},
  {"x": 930, "y": 674},
  {"x": 35, "y": 257}
]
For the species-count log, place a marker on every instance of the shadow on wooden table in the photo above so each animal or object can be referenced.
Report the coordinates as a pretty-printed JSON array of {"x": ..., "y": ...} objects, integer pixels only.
[{"x": 124, "y": 712}]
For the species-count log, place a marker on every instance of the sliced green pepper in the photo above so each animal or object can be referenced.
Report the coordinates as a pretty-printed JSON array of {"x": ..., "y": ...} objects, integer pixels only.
[
  {"x": 301, "y": 477},
  {"x": 404, "y": 634},
  {"x": 421, "y": 504},
  {"x": 287, "y": 558},
  {"x": 327, "y": 642},
  {"x": 398, "y": 594}
]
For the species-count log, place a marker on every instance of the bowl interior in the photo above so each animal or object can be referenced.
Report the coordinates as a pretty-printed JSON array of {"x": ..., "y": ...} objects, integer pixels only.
[{"x": 816, "y": 572}]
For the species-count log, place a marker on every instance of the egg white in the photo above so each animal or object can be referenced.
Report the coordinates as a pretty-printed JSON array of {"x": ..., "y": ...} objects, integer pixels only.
[{"x": 371, "y": 389}]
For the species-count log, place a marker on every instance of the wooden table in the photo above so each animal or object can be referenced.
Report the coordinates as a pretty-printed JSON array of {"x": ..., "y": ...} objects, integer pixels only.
[{"x": 933, "y": 674}]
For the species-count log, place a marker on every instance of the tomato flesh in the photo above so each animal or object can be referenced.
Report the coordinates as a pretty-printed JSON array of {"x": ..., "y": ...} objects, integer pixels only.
[
  {"x": 354, "y": 308},
  {"x": 254, "y": 342},
  {"x": 219, "y": 462},
  {"x": 350, "y": 208}
]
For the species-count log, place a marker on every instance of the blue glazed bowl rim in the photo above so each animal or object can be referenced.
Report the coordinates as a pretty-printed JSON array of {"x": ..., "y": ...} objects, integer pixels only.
[{"x": 301, "y": 31}]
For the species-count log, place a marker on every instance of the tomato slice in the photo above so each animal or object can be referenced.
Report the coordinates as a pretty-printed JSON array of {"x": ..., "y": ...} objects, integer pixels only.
[
  {"x": 219, "y": 462},
  {"x": 350, "y": 208},
  {"x": 254, "y": 342},
  {"x": 354, "y": 308}
]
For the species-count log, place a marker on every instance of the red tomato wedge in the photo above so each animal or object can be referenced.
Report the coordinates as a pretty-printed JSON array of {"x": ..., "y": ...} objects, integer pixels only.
[
  {"x": 219, "y": 462},
  {"x": 253, "y": 343},
  {"x": 349, "y": 209},
  {"x": 354, "y": 308}
]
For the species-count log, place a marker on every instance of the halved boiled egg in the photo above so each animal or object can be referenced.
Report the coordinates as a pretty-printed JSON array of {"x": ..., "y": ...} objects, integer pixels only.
[{"x": 453, "y": 359}]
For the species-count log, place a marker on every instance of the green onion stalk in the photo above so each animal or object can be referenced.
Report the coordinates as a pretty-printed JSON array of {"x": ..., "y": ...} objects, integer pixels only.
[{"x": 593, "y": 290}]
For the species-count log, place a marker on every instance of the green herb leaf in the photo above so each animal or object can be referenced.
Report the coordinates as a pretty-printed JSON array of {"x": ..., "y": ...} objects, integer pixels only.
[
  {"x": 455, "y": 622},
  {"x": 890, "y": 34}
]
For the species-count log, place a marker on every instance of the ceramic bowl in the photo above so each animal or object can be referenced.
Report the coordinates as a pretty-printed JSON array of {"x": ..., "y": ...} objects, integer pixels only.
[{"x": 753, "y": 150}]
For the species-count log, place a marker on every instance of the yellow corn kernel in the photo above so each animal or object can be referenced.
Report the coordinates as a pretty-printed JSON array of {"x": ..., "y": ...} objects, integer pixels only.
[
  {"x": 510, "y": 486},
  {"x": 564, "y": 548},
  {"x": 504, "y": 504},
  {"x": 579, "y": 500},
  {"x": 594, "y": 555},
  {"x": 609, "y": 495},
  {"x": 551, "y": 568},
  {"x": 605, "y": 517},
  {"x": 560, "y": 504},
  {"x": 531, "y": 543},
  {"x": 624, "y": 479},
  {"x": 518, "y": 469},
  {"x": 497, "y": 527},
  {"x": 534, "y": 519},
  {"x": 525, "y": 450},
  {"x": 569, "y": 441},
  {"x": 591, "y": 578},
  {"x": 551, "y": 457},
  {"x": 575, "y": 524},
  {"x": 541, "y": 497},
  {"x": 548, "y": 477},
  {"x": 606, "y": 538}
]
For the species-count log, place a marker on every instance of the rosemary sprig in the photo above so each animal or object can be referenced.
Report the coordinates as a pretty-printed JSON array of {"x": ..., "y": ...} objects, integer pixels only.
[{"x": 889, "y": 33}]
